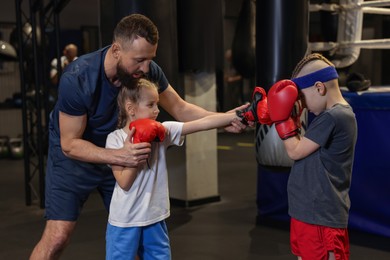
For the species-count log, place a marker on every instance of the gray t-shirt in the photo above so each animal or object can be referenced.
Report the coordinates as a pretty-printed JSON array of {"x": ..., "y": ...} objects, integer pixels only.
[{"x": 318, "y": 185}]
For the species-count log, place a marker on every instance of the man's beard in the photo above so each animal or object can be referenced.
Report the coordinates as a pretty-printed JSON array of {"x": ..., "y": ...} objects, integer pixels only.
[{"x": 124, "y": 77}]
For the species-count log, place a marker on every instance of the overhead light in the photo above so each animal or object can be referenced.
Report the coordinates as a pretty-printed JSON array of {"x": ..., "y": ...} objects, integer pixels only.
[{"x": 7, "y": 52}]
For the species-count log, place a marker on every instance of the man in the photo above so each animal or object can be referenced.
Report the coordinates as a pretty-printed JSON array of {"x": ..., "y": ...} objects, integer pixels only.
[
  {"x": 85, "y": 113},
  {"x": 69, "y": 54}
]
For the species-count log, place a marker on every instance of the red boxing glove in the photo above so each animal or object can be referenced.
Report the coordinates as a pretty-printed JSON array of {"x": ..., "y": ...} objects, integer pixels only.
[
  {"x": 147, "y": 130},
  {"x": 258, "y": 109},
  {"x": 281, "y": 100}
]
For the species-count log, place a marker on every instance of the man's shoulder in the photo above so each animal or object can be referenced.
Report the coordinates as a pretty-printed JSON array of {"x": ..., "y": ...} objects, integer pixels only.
[
  {"x": 90, "y": 61},
  {"x": 86, "y": 68},
  {"x": 157, "y": 75},
  {"x": 154, "y": 69}
]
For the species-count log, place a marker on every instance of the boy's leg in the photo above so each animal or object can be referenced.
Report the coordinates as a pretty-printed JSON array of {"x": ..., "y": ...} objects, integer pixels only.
[
  {"x": 305, "y": 241},
  {"x": 318, "y": 242},
  {"x": 337, "y": 241}
]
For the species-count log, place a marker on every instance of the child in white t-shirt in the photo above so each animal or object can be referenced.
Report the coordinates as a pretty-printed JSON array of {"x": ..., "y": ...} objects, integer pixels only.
[{"x": 140, "y": 202}]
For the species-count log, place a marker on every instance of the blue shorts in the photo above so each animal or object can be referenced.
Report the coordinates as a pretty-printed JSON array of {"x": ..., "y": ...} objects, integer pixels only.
[
  {"x": 69, "y": 183},
  {"x": 148, "y": 242}
]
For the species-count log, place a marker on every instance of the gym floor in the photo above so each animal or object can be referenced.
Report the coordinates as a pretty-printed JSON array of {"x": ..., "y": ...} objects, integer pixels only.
[{"x": 222, "y": 230}]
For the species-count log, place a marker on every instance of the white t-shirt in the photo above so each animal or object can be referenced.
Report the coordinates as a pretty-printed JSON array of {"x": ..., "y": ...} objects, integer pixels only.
[{"x": 147, "y": 201}]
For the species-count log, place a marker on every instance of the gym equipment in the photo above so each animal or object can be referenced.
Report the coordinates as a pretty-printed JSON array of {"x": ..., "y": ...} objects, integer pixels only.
[
  {"x": 257, "y": 111},
  {"x": 4, "y": 148},
  {"x": 7, "y": 52},
  {"x": 281, "y": 41},
  {"x": 16, "y": 147},
  {"x": 244, "y": 41},
  {"x": 350, "y": 25},
  {"x": 357, "y": 82}
]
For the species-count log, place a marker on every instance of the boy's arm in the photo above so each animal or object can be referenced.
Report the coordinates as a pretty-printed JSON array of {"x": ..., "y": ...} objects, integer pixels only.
[
  {"x": 300, "y": 147},
  {"x": 281, "y": 101},
  {"x": 125, "y": 176}
]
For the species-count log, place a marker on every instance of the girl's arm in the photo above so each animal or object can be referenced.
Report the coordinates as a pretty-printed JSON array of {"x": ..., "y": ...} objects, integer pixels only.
[
  {"x": 208, "y": 122},
  {"x": 125, "y": 176},
  {"x": 183, "y": 111}
]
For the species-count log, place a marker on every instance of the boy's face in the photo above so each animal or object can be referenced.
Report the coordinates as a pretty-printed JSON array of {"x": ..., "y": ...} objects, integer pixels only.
[{"x": 312, "y": 99}]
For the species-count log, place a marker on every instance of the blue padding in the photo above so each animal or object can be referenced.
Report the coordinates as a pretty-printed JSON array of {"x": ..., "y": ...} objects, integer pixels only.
[
  {"x": 370, "y": 193},
  {"x": 272, "y": 196},
  {"x": 368, "y": 100}
]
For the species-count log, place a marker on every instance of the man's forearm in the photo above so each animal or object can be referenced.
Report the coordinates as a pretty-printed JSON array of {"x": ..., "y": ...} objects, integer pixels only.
[
  {"x": 85, "y": 151},
  {"x": 191, "y": 112}
]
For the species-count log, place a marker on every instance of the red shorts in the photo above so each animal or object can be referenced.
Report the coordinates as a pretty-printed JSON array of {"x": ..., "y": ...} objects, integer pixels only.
[{"x": 313, "y": 242}]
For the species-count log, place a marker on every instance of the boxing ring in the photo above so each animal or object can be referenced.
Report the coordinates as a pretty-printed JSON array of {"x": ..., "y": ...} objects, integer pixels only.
[
  {"x": 370, "y": 192},
  {"x": 349, "y": 32}
]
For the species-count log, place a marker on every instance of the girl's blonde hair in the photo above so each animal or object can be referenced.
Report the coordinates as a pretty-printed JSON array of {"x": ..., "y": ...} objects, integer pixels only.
[{"x": 131, "y": 92}]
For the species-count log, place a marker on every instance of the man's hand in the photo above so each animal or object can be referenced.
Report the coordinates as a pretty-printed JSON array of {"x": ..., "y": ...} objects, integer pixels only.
[{"x": 134, "y": 155}]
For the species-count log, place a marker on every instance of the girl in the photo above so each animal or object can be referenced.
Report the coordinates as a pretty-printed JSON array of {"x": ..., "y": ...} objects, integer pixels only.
[{"x": 140, "y": 202}]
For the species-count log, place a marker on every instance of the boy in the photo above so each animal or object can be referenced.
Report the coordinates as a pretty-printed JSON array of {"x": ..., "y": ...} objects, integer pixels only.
[{"x": 320, "y": 177}]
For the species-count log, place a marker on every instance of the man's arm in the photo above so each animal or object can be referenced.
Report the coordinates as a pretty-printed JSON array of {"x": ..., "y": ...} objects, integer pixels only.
[
  {"x": 184, "y": 111},
  {"x": 179, "y": 108},
  {"x": 73, "y": 146}
]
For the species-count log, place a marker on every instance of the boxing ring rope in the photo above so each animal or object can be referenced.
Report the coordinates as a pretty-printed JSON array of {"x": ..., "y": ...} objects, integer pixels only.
[
  {"x": 361, "y": 5},
  {"x": 350, "y": 25}
]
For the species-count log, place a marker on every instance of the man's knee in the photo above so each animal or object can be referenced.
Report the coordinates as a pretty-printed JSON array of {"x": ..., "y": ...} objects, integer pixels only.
[
  {"x": 55, "y": 238},
  {"x": 58, "y": 233}
]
